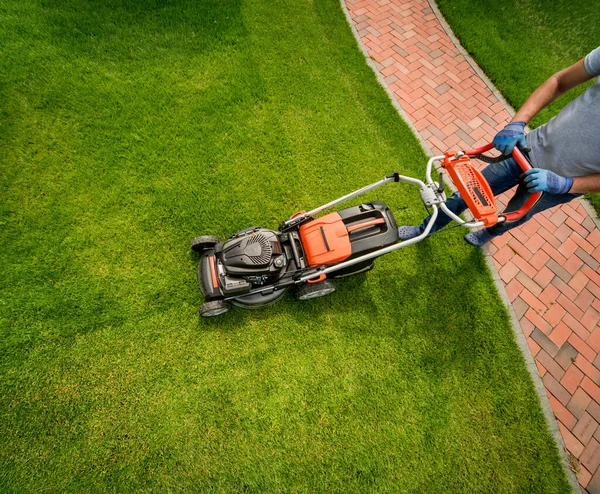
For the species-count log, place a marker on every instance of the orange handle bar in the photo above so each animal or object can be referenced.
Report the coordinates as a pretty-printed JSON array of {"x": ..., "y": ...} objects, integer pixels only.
[{"x": 524, "y": 164}]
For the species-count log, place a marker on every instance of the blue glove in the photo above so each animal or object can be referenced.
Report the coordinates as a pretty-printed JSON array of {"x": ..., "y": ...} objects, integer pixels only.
[
  {"x": 538, "y": 180},
  {"x": 509, "y": 137}
]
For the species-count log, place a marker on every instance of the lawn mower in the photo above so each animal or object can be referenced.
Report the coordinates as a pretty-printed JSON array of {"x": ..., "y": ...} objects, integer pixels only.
[{"x": 256, "y": 266}]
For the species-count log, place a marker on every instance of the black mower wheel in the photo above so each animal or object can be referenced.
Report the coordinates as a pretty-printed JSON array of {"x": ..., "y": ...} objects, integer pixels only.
[
  {"x": 204, "y": 242},
  {"x": 214, "y": 308},
  {"x": 315, "y": 290}
]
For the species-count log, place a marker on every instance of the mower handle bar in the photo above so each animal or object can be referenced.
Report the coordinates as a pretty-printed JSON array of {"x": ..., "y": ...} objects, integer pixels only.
[{"x": 523, "y": 163}]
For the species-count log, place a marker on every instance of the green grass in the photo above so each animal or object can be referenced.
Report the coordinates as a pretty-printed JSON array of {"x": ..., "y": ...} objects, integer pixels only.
[
  {"x": 520, "y": 43},
  {"x": 128, "y": 127}
]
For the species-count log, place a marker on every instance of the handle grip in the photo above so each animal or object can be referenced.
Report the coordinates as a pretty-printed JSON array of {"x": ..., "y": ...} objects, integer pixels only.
[{"x": 523, "y": 162}]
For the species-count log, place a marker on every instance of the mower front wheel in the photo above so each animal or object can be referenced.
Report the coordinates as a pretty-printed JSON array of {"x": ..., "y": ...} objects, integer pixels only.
[
  {"x": 214, "y": 308},
  {"x": 204, "y": 242},
  {"x": 315, "y": 290}
]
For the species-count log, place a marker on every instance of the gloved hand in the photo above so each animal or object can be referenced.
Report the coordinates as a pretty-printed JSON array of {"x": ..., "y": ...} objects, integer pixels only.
[
  {"x": 538, "y": 180},
  {"x": 509, "y": 137}
]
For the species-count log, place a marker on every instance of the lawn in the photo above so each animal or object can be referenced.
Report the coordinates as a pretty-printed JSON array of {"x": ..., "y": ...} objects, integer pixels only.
[
  {"x": 520, "y": 43},
  {"x": 127, "y": 128}
]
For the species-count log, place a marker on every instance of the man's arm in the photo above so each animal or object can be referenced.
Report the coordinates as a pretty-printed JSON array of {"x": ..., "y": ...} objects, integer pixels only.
[
  {"x": 589, "y": 183},
  {"x": 555, "y": 86}
]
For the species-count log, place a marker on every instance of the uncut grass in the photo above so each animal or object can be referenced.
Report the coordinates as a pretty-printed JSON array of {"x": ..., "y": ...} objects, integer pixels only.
[
  {"x": 520, "y": 43},
  {"x": 129, "y": 127}
]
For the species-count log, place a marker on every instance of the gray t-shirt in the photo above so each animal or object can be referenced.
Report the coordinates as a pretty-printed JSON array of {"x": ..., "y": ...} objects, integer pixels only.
[{"x": 569, "y": 144}]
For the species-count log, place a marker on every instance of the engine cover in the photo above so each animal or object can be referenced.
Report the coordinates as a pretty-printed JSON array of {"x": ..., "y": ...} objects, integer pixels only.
[{"x": 253, "y": 253}]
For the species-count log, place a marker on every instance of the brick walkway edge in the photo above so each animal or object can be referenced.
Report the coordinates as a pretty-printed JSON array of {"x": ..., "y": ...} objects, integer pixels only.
[{"x": 549, "y": 266}]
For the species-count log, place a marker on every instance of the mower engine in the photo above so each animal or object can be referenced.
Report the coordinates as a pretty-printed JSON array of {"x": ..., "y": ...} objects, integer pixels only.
[{"x": 250, "y": 259}]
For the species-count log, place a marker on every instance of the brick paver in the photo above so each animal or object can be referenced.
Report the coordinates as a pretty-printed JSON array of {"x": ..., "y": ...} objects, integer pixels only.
[{"x": 549, "y": 265}]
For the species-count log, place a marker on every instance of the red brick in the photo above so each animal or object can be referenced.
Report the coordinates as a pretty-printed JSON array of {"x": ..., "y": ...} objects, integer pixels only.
[
  {"x": 521, "y": 250},
  {"x": 553, "y": 253},
  {"x": 591, "y": 274},
  {"x": 549, "y": 295},
  {"x": 539, "y": 259},
  {"x": 519, "y": 235},
  {"x": 538, "y": 322},
  {"x": 544, "y": 276},
  {"x": 588, "y": 369},
  {"x": 590, "y": 319},
  {"x": 576, "y": 326},
  {"x": 578, "y": 228},
  {"x": 583, "y": 243},
  {"x": 513, "y": 289},
  {"x": 525, "y": 266},
  {"x": 578, "y": 281},
  {"x": 583, "y": 476},
  {"x": 535, "y": 242},
  {"x": 572, "y": 444},
  {"x": 561, "y": 413},
  {"x": 569, "y": 306},
  {"x": 541, "y": 369},
  {"x": 594, "y": 238},
  {"x": 550, "y": 365},
  {"x": 571, "y": 210},
  {"x": 582, "y": 347},
  {"x": 562, "y": 233},
  {"x": 566, "y": 356},
  {"x": 520, "y": 307},
  {"x": 530, "y": 227},
  {"x": 508, "y": 271},
  {"x": 527, "y": 326},
  {"x": 551, "y": 240},
  {"x": 585, "y": 428},
  {"x": 571, "y": 379},
  {"x": 594, "y": 339},
  {"x": 534, "y": 302},
  {"x": 557, "y": 217},
  {"x": 560, "y": 334},
  {"x": 572, "y": 265},
  {"x": 579, "y": 402},
  {"x": 501, "y": 241},
  {"x": 594, "y": 410},
  {"x": 565, "y": 289},
  {"x": 528, "y": 283},
  {"x": 591, "y": 455},
  {"x": 554, "y": 314},
  {"x": 533, "y": 346},
  {"x": 591, "y": 389},
  {"x": 584, "y": 299},
  {"x": 561, "y": 394},
  {"x": 559, "y": 271},
  {"x": 546, "y": 224}
]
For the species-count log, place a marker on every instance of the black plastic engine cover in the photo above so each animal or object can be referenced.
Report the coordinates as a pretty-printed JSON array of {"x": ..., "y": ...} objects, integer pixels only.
[{"x": 256, "y": 252}]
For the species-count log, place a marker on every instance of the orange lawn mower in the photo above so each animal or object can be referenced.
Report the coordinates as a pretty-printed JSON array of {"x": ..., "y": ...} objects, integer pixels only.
[{"x": 256, "y": 266}]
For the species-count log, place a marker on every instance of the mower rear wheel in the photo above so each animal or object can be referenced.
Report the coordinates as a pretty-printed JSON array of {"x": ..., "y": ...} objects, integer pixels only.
[
  {"x": 214, "y": 308},
  {"x": 315, "y": 290},
  {"x": 204, "y": 242}
]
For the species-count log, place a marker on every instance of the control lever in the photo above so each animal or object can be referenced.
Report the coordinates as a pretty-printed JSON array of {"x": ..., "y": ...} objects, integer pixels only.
[{"x": 441, "y": 186}]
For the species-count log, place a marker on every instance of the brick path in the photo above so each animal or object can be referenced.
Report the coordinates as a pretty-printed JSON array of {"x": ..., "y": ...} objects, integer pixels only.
[{"x": 550, "y": 265}]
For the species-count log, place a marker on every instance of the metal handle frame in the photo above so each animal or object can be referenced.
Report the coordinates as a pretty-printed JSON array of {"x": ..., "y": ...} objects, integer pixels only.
[{"x": 514, "y": 216}]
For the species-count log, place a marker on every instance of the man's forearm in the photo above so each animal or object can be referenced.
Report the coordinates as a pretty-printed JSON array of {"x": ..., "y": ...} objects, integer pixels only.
[
  {"x": 538, "y": 100},
  {"x": 555, "y": 86},
  {"x": 589, "y": 183}
]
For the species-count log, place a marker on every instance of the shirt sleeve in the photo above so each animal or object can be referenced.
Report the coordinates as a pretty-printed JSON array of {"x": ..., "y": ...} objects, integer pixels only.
[{"x": 592, "y": 62}]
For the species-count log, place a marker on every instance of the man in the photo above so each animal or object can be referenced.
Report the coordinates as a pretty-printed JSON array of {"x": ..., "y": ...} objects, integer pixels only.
[{"x": 565, "y": 152}]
